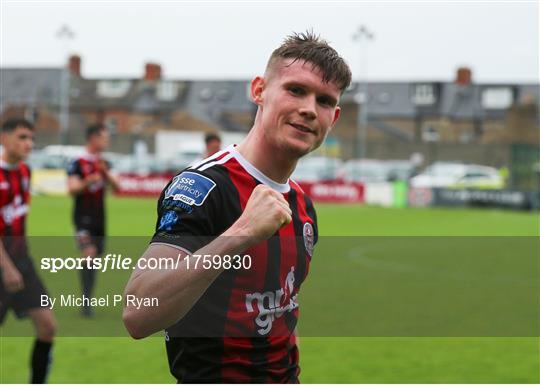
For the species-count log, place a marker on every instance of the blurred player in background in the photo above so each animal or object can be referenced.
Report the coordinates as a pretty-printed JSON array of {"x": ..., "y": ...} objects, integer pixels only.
[
  {"x": 213, "y": 144},
  {"x": 239, "y": 325},
  {"x": 88, "y": 176},
  {"x": 20, "y": 287}
]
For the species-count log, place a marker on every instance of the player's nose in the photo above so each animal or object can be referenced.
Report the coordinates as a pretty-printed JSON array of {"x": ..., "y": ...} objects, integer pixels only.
[{"x": 307, "y": 108}]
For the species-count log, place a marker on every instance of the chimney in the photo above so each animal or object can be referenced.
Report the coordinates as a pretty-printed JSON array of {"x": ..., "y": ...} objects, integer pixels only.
[
  {"x": 463, "y": 76},
  {"x": 152, "y": 71},
  {"x": 74, "y": 65}
]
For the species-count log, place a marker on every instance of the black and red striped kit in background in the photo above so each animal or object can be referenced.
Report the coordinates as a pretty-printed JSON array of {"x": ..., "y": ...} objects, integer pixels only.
[
  {"x": 14, "y": 207},
  {"x": 89, "y": 208},
  {"x": 14, "y": 198},
  {"x": 242, "y": 328}
]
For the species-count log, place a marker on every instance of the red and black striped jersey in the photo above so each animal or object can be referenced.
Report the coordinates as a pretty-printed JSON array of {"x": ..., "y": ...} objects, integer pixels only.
[
  {"x": 242, "y": 328},
  {"x": 14, "y": 198},
  {"x": 89, "y": 211},
  {"x": 14, "y": 206}
]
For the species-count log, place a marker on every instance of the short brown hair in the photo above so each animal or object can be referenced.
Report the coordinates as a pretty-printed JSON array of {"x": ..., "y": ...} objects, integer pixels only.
[
  {"x": 311, "y": 48},
  {"x": 10, "y": 125},
  {"x": 211, "y": 137},
  {"x": 94, "y": 130}
]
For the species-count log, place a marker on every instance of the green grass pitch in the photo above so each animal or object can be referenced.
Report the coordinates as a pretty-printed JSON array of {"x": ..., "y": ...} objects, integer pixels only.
[{"x": 323, "y": 360}]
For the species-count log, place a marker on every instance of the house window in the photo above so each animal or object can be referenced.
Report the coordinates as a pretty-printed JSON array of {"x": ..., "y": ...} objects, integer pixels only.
[
  {"x": 384, "y": 98},
  {"x": 167, "y": 91},
  {"x": 206, "y": 94},
  {"x": 423, "y": 94},
  {"x": 113, "y": 88},
  {"x": 497, "y": 98}
]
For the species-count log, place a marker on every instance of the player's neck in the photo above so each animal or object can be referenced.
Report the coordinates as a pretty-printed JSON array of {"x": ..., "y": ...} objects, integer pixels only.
[
  {"x": 92, "y": 150},
  {"x": 278, "y": 167},
  {"x": 9, "y": 159}
]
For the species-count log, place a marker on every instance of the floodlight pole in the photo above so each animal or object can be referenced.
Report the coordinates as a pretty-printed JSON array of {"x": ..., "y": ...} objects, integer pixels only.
[
  {"x": 363, "y": 36},
  {"x": 65, "y": 35}
]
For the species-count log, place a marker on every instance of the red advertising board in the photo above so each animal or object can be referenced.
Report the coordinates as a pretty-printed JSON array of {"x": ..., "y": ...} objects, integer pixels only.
[
  {"x": 334, "y": 191},
  {"x": 136, "y": 185}
]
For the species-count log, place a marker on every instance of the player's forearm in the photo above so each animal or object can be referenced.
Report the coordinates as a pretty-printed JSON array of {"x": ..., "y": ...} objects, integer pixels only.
[
  {"x": 113, "y": 181},
  {"x": 176, "y": 290},
  {"x": 5, "y": 259},
  {"x": 76, "y": 186}
]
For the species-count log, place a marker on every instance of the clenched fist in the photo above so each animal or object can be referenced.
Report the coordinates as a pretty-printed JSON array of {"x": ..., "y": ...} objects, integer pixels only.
[
  {"x": 93, "y": 178},
  {"x": 265, "y": 213}
]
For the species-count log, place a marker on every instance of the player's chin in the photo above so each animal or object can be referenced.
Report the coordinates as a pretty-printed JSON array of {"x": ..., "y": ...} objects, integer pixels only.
[{"x": 299, "y": 148}]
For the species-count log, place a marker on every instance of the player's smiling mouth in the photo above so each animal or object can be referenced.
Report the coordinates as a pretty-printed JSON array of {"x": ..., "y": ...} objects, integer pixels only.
[{"x": 302, "y": 128}]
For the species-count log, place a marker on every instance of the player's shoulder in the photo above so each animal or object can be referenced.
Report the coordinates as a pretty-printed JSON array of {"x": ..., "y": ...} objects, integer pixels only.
[
  {"x": 214, "y": 163},
  {"x": 75, "y": 161},
  {"x": 199, "y": 181},
  {"x": 296, "y": 186},
  {"x": 298, "y": 189},
  {"x": 24, "y": 167},
  {"x": 74, "y": 164},
  {"x": 213, "y": 167},
  {"x": 306, "y": 199}
]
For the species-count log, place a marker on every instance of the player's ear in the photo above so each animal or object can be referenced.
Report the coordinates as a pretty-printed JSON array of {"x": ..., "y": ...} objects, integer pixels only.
[
  {"x": 337, "y": 114},
  {"x": 256, "y": 90}
]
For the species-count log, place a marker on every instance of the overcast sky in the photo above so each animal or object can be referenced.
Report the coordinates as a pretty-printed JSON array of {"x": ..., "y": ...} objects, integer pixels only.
[{"x": 232, "y": 40}]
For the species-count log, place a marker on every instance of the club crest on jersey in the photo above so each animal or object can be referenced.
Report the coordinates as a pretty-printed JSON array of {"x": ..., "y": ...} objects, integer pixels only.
[
  {"x": 309, "y": 238},
  {"x": 189, "y": 188},
  {"x": 167, "y": 221}
]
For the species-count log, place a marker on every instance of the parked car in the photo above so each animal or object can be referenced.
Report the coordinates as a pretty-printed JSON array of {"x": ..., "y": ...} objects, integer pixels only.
[
  {"x": 39, "y": 160},
  {"x": 368, "y": 170},
  {"x": 54, "y": 156},
  {"x": 458, "y": 175},
  {"x": 316, "y": 169}
]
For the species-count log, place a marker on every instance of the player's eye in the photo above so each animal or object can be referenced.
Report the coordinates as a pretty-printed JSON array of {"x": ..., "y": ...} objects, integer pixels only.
[
  {"x": 325, "y": 101},
  {"x": 295, "y": 90}
]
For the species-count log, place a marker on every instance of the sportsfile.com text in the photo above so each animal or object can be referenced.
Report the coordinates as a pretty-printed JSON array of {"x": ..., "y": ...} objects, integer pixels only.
[{"x": 114, "y": 261}]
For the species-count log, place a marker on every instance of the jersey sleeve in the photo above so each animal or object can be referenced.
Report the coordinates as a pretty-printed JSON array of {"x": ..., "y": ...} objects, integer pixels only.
[
  {"x": 74, "y": 168},
  {"x": 28, "y": 171},
  {"x": 188, "y": 210}
]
